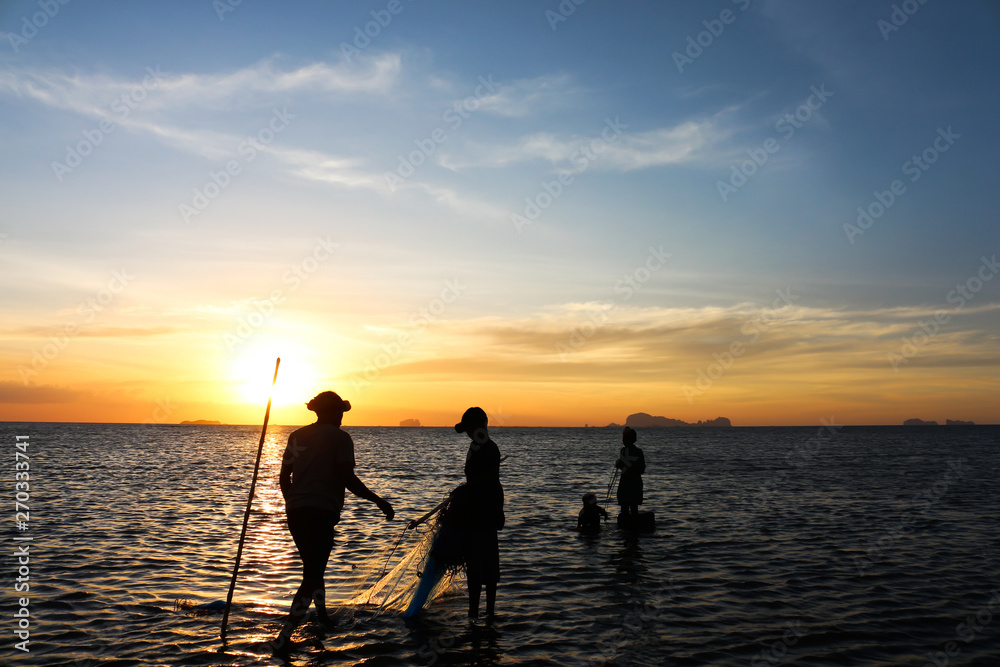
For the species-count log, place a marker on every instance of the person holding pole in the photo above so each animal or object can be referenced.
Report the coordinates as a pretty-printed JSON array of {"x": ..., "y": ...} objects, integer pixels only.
[
  {"x": 632, "y": 463},
  {"x": 316, "y": 469}
]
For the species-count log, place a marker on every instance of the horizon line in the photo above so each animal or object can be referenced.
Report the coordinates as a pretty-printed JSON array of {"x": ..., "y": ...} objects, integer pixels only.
[{"x": 494, "y": 426}]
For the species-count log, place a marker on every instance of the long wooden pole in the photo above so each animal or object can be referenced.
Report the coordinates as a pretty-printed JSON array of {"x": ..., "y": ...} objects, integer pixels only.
[{"x": 246, "y": 515}]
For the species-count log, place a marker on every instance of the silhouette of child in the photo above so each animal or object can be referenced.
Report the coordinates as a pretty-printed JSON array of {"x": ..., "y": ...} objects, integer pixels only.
[
  {"x": 632, "y": 463},
  {"x": 590, "y": 516}
]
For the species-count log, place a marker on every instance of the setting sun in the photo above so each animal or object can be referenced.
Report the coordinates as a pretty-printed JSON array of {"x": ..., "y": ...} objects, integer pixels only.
[{"x": 253, "y": 370}]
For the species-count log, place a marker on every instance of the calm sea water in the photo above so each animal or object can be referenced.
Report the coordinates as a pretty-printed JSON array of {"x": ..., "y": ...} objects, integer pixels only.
[{"x": 806, "y": 546}]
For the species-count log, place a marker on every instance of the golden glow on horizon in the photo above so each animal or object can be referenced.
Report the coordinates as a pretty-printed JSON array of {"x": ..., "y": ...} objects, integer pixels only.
[
  {"x": 518, "y": 378},
  {"x": 252, "y": 371}
]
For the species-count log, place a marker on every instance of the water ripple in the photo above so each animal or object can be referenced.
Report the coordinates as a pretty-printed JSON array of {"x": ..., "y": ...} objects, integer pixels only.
[{"x": 875, "y": 549}]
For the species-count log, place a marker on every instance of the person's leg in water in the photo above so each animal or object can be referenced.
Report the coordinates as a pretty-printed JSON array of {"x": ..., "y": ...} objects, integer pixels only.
[
  {"x": 319, "y": 592},
  {"x": 481, "y": 567},
  {"x": 491, "y": 599},
  {"x": 475, "y": 589},
  {"x": 489, "y": 573},
  {"x": 312, "y": 589},
  {"x": 313, "y": 536}
]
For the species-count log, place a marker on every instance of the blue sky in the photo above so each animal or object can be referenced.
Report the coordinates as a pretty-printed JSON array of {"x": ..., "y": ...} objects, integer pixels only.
[{"x": 514, "y": 98}]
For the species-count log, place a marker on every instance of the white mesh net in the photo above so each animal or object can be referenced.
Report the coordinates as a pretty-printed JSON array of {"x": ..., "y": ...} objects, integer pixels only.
[{"x": 388, "y": 579}]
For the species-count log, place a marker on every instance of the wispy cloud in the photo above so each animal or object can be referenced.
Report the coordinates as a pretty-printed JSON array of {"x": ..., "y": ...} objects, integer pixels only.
[
  {"x": 525, "y": 97},
  {"x": 18, "y": 393},
  {"x": 95, "y": 332},
  {"x": 323, "y": 168},
  {"x": 464, "y": 204},
  {"x": 687, "y": 142},
  {"x": 166, "y": 99},
  {"x": 351, "y": 173},
  {"x": 673, "y": 343},
  {"x": 375, "y": 75},
  {"x": 95, "y": 94}
]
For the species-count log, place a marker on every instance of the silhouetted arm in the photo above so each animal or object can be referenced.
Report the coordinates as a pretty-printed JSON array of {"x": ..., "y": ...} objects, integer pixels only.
[
  {"x": 358, "y": 488},
  {"x": 285, "y": 476}
]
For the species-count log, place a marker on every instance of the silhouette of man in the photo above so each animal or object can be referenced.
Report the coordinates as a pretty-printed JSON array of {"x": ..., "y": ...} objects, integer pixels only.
[
  {"x": 316, "y": 468},
  {"x": 485, "y": 510}
]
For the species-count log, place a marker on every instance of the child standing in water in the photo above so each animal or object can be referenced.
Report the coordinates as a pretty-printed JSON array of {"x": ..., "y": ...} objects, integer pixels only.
[
  {"x": 590, "y": 515},
  {"x": 632, "y": 463}
]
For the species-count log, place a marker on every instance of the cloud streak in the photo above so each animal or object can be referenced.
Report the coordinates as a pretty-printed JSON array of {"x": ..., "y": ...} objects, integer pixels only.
[
  {"x": 685, "y": 143},
  {"x": 17, "y": 393},
  {"x": 167, "y": 100},
  {"x": 94, "y": 94},
  {"x": 668, "y": 345},
  {"x": 527, "y": 97}
]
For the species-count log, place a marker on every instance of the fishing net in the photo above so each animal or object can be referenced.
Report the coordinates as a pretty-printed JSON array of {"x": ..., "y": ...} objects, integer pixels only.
[{"x": 387, "y": 579}]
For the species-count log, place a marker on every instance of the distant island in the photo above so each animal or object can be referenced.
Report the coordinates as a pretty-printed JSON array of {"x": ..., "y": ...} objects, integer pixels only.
[
  {"x": 643, "y": 420},
  {"x": 202, "y": 422},
  {"x": 948, "y": 422},
  {"x": 410, "y": 422}
]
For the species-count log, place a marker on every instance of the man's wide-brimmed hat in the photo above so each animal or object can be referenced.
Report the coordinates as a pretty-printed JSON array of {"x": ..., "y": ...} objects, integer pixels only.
[{"x": 328, "y": 401}]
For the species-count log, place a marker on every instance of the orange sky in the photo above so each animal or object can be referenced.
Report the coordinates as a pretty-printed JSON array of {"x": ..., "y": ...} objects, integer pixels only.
[{"x": 808, "y": 366}]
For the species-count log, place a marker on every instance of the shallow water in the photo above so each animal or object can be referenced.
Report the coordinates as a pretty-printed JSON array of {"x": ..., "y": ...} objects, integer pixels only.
[{"x": 811, "y": 546}]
